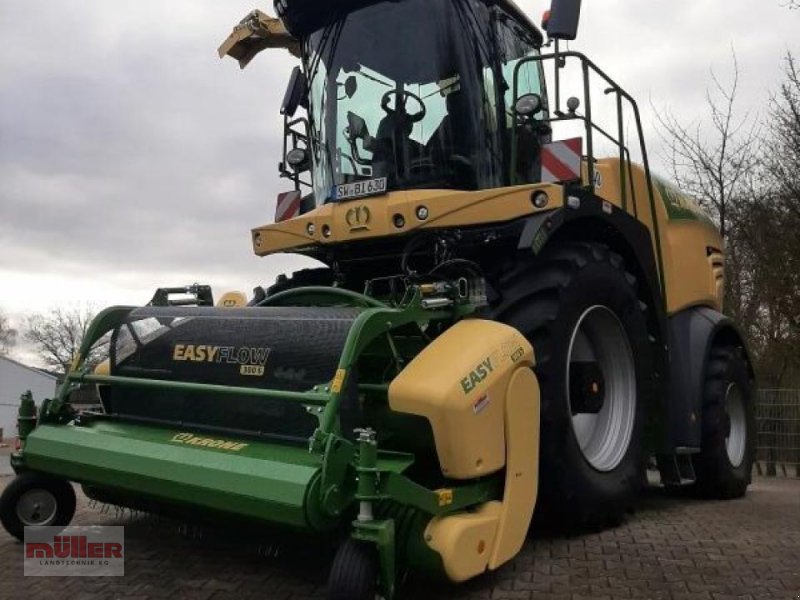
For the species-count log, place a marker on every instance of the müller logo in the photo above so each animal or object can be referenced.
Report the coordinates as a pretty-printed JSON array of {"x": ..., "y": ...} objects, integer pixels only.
[
  {"x": 74, "y": 551},
  {"x": 73, "y": 546}
]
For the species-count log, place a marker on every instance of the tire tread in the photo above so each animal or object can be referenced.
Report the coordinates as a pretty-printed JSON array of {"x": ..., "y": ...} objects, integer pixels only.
[
  {"x": 532, "y": 293},
  {"x": 716, "y": 477},
  {"x": 63, "y": 491},
  {"x": 353, "y": 572}
]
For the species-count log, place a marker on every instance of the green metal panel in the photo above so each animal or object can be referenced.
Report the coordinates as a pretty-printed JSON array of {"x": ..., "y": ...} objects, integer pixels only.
[
  {"x": 267, "y": 482},
  {"x": 274, "y": 483}
]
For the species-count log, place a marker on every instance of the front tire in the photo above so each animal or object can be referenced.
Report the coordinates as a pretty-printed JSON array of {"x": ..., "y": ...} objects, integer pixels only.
[
  {"x": 579, "y": 307},
  {"x": 725, "y": 463},
  {"x": 354, "y": 573},
  {"x": 35, "y": 500}
]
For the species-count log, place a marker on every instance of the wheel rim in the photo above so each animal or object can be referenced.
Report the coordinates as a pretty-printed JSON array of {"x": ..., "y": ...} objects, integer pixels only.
[
  {"x": 37, "y": 508},
  {"x": 604, "y": 437},
  {"x": 736, "y": 441}
]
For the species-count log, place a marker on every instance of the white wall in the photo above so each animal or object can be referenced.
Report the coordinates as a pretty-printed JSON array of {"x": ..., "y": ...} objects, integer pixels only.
[{"x": 16, "y": 379}]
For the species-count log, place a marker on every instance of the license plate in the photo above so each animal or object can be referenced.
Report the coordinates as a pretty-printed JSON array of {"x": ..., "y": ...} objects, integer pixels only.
[{"x": 360, "y": 189}]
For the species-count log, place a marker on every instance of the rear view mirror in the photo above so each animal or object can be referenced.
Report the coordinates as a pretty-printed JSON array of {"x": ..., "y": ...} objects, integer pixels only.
[
  {"x": 565, "y": 15},
  {"x": 356, "y": 127},
  {"x": 296, "y": 93},
  {"x": 351, "y": 86}
]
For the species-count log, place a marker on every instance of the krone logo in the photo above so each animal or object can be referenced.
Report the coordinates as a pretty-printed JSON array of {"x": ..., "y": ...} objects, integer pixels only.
[{"x": 358, "y": 218}]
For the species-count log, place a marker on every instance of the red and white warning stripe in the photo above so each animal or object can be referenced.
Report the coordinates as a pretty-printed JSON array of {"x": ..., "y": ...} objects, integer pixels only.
[
  {"x": 561, "y": 161},
  {"x": 288, "y": 206}
]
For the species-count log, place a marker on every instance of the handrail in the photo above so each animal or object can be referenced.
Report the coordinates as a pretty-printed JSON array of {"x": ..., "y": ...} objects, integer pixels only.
[
  {"x": 588, "y": 66},
  {"x": 311, "y": 398}
]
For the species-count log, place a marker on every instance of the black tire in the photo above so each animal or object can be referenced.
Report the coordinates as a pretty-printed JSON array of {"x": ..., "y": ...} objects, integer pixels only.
[
  {"x": 727, "y": 370},
  {"x": 545, "y": 298},
  {"x": 60, "y": 490},
  {"x": 354, "y": 573}
]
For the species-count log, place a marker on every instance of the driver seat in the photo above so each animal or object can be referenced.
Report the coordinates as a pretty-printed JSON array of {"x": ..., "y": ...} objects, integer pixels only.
[
  {"x": 456, "y": 138},
  {"x": 392, "y": 147}
]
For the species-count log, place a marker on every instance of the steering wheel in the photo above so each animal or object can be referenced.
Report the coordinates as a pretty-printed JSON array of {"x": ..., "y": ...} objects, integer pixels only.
[{"x": 401, "y": 101}]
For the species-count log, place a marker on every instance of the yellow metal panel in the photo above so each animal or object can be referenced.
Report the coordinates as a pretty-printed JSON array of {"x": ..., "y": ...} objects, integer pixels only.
[
  {"x": 692, "y": 279},
  {"x": 459, "y": 383},
  {"x": 609, "y": 187},
  {"x": 692, "y": 276},
  {"x": 375, "y": 217},
  {"x": 522, "y": 466},
  {"x": 464, "y": 541}
]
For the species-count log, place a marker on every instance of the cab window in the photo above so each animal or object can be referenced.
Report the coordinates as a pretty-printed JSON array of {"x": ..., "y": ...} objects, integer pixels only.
[{"x": 515, "y": 45}]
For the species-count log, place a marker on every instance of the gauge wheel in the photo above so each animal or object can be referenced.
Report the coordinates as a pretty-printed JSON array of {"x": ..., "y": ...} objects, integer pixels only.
[
  {"x": 354, "y": 573},
  {"x": 724, "y": 465},
  {"x": 35, "y": 500},
  {"x": 579, "y": 307}
]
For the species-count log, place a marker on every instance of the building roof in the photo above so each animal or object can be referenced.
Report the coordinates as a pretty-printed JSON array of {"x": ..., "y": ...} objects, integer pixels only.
[{"x": 33, "y": 369}]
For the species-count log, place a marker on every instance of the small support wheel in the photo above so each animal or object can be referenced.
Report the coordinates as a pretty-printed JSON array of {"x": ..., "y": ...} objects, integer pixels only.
[
  {"x": 35, "y": 500},
  {"x": 354, "y": 573}
]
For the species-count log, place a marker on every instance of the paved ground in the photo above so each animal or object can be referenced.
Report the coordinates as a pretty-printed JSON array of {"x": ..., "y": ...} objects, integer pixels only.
[{"x": 671, "y": 548}]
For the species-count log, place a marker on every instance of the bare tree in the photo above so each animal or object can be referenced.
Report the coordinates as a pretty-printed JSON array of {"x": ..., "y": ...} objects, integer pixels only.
[
  {"x": 772, "y": 236},
  {"x": 717, "y": 160},
  {"x": 8, "y": 336},
  {"x": 713, "y": 159},
  {"x": 57, "y": 336},
  {"x": 783, "y": 160},
  {"x": 773, "y": 323},
  {"x": 753, "y": 190}
]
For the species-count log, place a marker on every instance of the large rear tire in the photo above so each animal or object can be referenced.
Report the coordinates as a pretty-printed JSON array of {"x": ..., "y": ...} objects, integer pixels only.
[
  {"x": 34, "y": 500},
  {"x": 725, "y": 464},
  {"x": 579, "y": 307}
]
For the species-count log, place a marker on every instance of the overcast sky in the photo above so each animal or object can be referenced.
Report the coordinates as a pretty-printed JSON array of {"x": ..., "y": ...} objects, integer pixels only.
[{"x": 131, "y": 157}]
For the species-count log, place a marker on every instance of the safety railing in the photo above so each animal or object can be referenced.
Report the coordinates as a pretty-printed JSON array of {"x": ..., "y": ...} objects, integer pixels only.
[
  {"x": 592, "y": 129},
  {"x": 778, "y": 427}
]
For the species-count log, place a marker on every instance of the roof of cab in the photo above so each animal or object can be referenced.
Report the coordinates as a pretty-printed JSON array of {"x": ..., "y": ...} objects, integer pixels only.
[{"x": 511, "y": 7}]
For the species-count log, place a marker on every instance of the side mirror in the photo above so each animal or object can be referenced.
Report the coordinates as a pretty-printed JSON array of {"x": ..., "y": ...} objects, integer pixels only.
[
  {"x": 351, "y": 86},
  {"x": 356, "y": 127},
  {"x": 296, "y": 93},
  {"x": 565, "y": 15}
]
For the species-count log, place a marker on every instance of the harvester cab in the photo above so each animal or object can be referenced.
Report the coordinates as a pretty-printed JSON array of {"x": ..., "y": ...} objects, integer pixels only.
[
  {"x": 480, "y": 278},
  {"x": 412, "y": 95}
]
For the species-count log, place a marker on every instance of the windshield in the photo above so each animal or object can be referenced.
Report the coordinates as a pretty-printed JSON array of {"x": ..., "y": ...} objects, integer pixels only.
[{"x": 405, "y": 91}]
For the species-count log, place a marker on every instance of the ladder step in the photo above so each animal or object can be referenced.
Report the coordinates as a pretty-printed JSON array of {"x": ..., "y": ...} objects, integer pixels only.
[{"x": 677, "y": 469}]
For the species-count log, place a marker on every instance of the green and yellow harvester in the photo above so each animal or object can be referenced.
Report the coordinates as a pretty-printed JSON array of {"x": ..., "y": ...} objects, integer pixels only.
[{"x": 504, "y": 322}]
